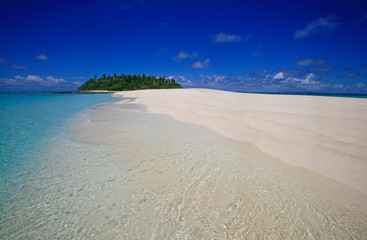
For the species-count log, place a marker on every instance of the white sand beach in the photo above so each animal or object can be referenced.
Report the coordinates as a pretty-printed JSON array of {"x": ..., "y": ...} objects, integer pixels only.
[
  {"x": 235, "y": 166},
  {"x": 327, "y": 135},
  {"x": 275, "y": 167}
]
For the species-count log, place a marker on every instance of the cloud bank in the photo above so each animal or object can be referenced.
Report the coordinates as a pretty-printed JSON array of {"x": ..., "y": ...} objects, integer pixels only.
[
  {"x": 311, "y": 75},
  {"x": 33, "y": 82}
]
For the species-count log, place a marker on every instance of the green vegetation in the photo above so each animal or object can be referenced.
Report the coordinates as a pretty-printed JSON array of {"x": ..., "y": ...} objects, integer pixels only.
[{"x": 128, "y": 82}]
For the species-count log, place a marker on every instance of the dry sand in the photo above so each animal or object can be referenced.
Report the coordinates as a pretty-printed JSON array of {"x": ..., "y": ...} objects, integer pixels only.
[{"x": 327, "y": 135}]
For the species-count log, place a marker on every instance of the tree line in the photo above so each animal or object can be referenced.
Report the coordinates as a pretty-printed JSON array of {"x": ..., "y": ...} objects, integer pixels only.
[{"x": 128, "y": 82}]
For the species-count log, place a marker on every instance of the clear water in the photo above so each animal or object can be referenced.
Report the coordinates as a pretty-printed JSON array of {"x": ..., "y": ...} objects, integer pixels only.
[
  {"x": 29, "y": 121},
  {"x": 116, "y": 171},
  {"x": 29, "y": 124}
]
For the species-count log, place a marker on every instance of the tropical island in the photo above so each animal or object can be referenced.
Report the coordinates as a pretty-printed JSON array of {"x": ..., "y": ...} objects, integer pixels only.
[{"x": 128, "y": 82}]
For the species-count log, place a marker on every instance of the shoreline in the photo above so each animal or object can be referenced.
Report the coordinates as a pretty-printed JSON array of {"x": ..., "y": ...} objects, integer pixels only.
[
  {"x": 122, "y": 172},
  {"x": 325, "y": 135}
]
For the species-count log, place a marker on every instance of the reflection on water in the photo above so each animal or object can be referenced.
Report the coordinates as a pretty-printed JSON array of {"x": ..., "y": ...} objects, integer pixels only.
[{"x": 123, "y": 173}]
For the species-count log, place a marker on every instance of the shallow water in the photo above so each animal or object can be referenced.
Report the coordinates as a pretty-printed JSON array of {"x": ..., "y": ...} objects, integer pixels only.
[
  {"x": 29, "y": 124},
  {"x": 120, "y": 172}
]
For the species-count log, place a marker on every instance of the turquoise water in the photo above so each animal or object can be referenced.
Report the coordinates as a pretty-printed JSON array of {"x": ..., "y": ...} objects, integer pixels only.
[
  {"x": 28, "y": 121},
  {"x": 29, "y": 124}
]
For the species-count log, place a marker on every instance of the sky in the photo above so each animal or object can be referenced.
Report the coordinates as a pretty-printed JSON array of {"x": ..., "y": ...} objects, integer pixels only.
[{"x": 248, "y": 46}]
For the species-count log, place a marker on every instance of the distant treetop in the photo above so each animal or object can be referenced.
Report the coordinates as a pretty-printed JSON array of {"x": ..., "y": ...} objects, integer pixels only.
[{"x": 128, "y": 82}]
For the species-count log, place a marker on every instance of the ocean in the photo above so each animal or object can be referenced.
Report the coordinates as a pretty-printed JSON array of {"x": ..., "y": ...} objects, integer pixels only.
[{"x": 98, "y": 167}]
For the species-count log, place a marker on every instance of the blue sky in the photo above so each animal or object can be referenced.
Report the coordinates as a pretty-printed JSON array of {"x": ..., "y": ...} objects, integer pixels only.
[{"x": 252, "y": 46}]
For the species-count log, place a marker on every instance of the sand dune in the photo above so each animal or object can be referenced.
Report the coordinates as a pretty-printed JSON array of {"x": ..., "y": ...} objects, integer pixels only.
[{"x": 326, "y": 135}]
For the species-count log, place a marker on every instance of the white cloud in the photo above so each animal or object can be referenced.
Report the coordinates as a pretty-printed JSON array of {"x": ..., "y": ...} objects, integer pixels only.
[
  {"x": 31, "y": 81},
  {"x": 282, "y": 81},
  {"x": 184, "y": 55},
  {"x": 78, "y": 83},
  {"x": 2, "y": 60},
  {"x": 361, "y": 86},
  {"x": 307, "y": 82},
  {"x": 8, "y": 81},
  {"x": 181, "y": 80},
  {"x": 54, "y": 81},
  {"x": 222, "y": 37},
  {"x": 42, "y": 57},
  {"x": 329, "y": 23},
  {"x": 178, "y": 78},
  {"x": 16, "y": 66},
  {"x": 215, "y": 82},
  {"x": 263, "y": 81},
  {"x": 213, "y": 79},
  {"x": 351, "y": 75},
  {"x": 309, "y": 79},
  {"x": 279, "y": 75},
  {"x": 305, "y": 62},
  {"x": 309, "y": 61},
  {"x": 338, "y": 86},
  {"x": 33, "y": 78},
  {"x": 220, "y": 78},
  {"x": 201, "y": 65}
]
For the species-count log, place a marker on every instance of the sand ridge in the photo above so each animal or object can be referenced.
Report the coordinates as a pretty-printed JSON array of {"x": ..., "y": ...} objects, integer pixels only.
[{"x": 327, "y": 135}]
